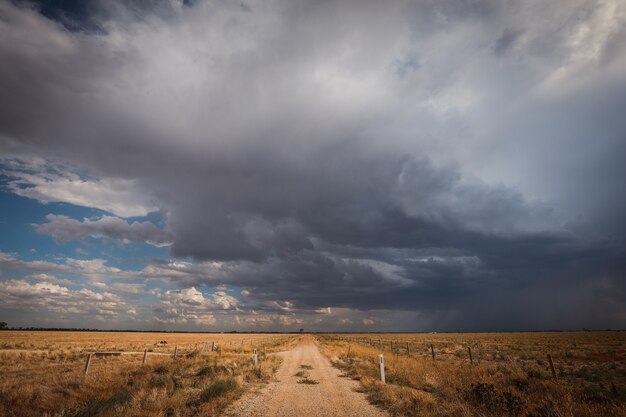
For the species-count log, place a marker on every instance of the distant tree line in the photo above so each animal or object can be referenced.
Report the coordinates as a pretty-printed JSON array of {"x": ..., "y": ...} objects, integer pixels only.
[{"x": 4, "y": 326}]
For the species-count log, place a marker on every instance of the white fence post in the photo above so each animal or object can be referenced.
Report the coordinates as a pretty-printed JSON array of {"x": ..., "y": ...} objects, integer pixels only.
[
  {"x": 382, "y": 367},
  {"x": 88, "y": 363}
]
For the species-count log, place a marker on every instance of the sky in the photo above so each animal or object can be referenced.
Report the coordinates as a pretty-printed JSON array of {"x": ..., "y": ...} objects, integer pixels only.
[{"x": 428, "y": 165}]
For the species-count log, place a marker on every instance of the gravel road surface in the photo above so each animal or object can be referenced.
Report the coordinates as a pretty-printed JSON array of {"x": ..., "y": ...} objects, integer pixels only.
[{"x": 285, "y": 397}]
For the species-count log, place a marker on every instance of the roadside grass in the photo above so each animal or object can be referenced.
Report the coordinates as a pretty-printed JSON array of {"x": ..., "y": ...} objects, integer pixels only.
[
  {"x": 191, "y": 386},
  {"x": 198, "y": 382},
  {"x": 418, "y": 386}
]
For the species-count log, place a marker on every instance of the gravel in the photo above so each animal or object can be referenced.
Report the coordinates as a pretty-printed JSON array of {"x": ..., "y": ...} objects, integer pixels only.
[{"x": 333, "y": 396}]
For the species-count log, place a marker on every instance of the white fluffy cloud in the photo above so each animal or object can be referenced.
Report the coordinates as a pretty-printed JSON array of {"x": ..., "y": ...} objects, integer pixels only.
[
  {"x": 191, "y": 297},
  {"x": 190, "y": 305},
  {"x": 48, "y": 278},
  {"x": 49, "y": 297},
  {"x": 121, "y": 197}
]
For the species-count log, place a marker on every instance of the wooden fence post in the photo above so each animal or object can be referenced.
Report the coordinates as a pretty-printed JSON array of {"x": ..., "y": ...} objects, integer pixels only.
[
  {"x": 255, "y": 357},
  {"x": 87, "y": 363},
  {"x": 407, "y": 348},
  {"x": 175, "y": 352},
  {"x": 469, "y": 349},
  {"x": 551, "y": 366},
  {"x": 381, "y": 358},
  {"x": 145, "y": 356},
  {"x": 432, "y": 351}
]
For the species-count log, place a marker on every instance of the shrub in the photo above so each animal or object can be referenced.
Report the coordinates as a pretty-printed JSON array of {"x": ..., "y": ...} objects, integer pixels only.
[
  {"x": 161, "y": 369},
  {"x": 545, "y": 410},
  {"x": 204, "y": 371},
  {"x": 258, "y": 373},
  {"x": 217, "y": 389},
  {"x": 158, "y": 381},
  {"x": 533, "y": 373},
  {"x": 484, "y": 395},
  {"x": 489, "y": 398},
  {"x": 178, "y": 383},
  {"x": 521, "y": 384},
  {"x": 95, "y": 407}
]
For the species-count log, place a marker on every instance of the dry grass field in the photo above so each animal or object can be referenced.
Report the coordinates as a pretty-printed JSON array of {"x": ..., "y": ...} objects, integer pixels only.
[
  {"x": 42, "y": 373},
  {"x": 510, "y": 374}
]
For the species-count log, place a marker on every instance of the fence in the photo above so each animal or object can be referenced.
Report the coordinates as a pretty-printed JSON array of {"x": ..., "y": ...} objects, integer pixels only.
[
  {"x": 241, "y": 347},
  {"x": 425, "y": 348}
]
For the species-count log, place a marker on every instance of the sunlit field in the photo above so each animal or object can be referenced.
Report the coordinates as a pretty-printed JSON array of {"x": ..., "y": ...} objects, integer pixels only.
[
  {"x": 509, "y": 374},
  {"x": 43, "y": 373}
]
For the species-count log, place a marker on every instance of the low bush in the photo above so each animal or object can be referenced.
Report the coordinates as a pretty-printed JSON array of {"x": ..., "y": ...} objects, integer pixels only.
[
  {"x": 95, "y": 407},
  {"x": 217, "y": 389}
]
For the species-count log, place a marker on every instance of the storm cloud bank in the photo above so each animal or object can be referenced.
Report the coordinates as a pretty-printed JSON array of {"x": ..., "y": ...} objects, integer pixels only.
[{"x": 461, "y": 162}]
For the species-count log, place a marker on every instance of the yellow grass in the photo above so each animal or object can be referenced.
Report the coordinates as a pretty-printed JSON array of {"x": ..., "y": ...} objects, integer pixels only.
[
  {"x": 510, "y": 376},
  {"x": 41, "y": 373}
]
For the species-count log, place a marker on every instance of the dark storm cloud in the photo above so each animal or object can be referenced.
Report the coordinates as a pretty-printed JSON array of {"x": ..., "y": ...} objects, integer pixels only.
[
  {"x": 504, "y": 42},
  {"x": 370, "y": 157}
]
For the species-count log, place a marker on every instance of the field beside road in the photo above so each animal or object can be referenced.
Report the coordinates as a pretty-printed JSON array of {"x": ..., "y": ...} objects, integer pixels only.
[
  {"x": 42, "y": 373},
  {"x": 509, "y": 374}
]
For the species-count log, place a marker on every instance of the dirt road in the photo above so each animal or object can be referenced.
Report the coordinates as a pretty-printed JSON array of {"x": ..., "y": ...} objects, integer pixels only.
[{"x": 332, "y": 396}]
